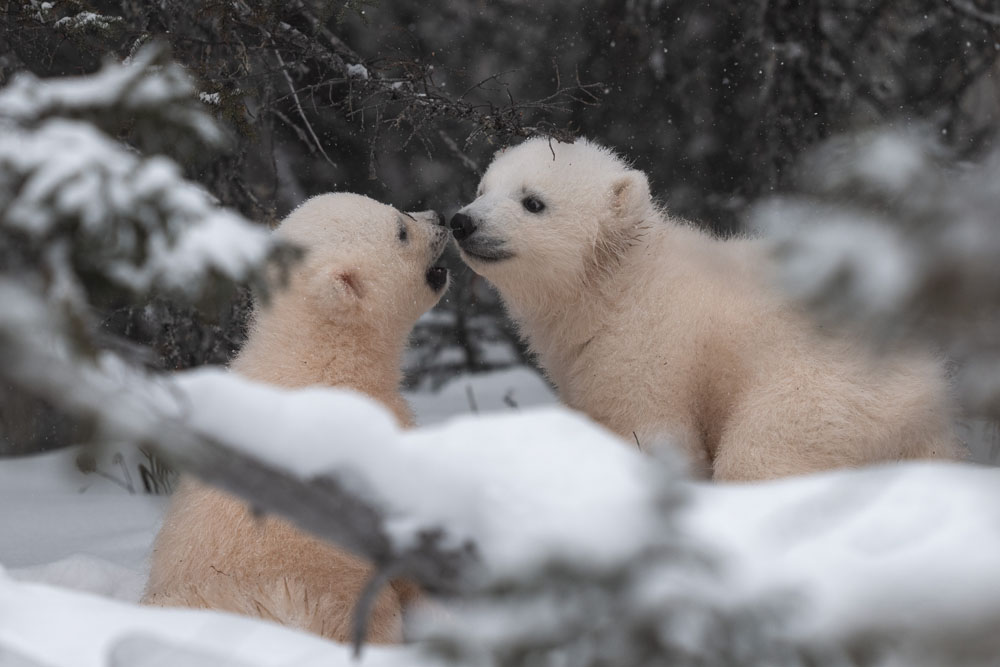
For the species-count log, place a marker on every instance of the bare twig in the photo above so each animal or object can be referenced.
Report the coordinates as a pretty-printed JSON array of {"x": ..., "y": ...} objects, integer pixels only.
[
  {"x": 366, "y": 602},
  {"x": 472, "y": 399},
  {"x": 467, "y": 161},
  {"x": 971, "y": 10},
  {"x": 419, "y": 98},
  {"x": 298, "y": 104},
  {"x": 295, "y": 128},
  {"x": 508, "y": 399}
]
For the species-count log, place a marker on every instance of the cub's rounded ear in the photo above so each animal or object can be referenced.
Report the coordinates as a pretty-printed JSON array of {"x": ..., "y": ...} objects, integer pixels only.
[
  {"x": 630, "y": 194},
  {"x": 348, "y": 282},
  {"x": 338, "y": 287}
]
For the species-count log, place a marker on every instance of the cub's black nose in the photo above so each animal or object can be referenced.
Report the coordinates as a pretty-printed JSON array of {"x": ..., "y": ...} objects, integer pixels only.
[
  {"x": 462, "y": 226},
  {"x": 441, "y": 220}
]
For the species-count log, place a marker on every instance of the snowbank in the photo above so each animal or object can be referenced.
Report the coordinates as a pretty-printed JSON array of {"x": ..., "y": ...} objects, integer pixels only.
[
  {"x": 504, "y": 391},
  {"x": 61, "y": 628},
  {"x": 80, "y": 531},
  {"x": 908, "y": 547},
  {"x": 907, "y": 552},
  {"x": 521, "y": 487}
]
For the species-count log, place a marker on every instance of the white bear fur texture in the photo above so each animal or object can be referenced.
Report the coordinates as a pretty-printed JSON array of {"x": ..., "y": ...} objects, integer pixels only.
[
  {"x": 664, "y": 333},
  {"x": 342, "y": 320}
]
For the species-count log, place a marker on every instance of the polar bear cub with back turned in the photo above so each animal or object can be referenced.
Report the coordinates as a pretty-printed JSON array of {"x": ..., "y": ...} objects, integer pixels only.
[
  {"x": 343, "y": 320},
  {"x": 663, "y": 333}
]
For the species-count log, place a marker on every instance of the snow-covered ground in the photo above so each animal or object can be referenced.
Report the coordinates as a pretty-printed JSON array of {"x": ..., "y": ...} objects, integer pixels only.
[
  {"x": 66, "y": 536},
  {"x": 890, "y": 548},
  {"x": 910, "y": 548},
  {"x": 74, "y": 530}
]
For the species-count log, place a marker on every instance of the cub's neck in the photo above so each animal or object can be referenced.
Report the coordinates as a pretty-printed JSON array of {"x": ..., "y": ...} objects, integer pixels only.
[
  {"x": 290, "y": 348},
  {"x": 560, "y": 326}
]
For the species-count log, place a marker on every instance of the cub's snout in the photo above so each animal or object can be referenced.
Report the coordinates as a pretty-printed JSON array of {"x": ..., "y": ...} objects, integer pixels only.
[{"x": 484, "y": 247}]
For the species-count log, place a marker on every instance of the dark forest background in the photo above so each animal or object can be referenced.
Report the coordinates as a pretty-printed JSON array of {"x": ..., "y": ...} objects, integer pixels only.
[{"x": 406, "y": 101}]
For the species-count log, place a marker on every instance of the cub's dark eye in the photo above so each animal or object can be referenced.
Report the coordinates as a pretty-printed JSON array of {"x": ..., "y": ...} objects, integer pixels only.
[
  {"x": 533, "y": 204},
  {"x": 403, "y": 235}
]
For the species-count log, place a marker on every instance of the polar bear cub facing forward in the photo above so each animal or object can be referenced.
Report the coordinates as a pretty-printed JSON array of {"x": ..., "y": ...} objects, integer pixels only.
[
  {"x": 664, "y": 333},
  {"x": 343, "y": 320}
]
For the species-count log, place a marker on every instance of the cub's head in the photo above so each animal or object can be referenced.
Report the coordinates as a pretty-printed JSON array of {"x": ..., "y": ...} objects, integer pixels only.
[
  {"x": 550, "y": 215},
  {"x": 365, "y": 261}
]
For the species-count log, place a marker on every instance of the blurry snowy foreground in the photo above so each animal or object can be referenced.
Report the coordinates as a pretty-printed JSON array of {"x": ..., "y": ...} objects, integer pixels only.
[
  {"x": 561, "y": 538},
  {"x": 890, "y": 235}
]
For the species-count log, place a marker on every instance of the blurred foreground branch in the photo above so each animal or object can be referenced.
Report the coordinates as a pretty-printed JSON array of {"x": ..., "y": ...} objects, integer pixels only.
[{"x": 893, "y": 236}]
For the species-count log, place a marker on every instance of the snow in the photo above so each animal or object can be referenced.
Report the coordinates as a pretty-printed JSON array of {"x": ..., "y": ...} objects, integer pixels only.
[
  {"x": 357, "y": 71},
  {"x": 76, "y": 545},
  {"x": 74, "y": 529},
  {"x": 223, "y": 241},
  {"x": 909, "y": 548},
  {"x": 888, "y": 161},
  {"x": 501, "y": 391},
  {"x": 867, "y": 258},
  {"x": 85, "y": 20},
  {"x": 519, "y": 503},
  {"x": 78, "y": 171},
  {"x": 144, "y": 225},
  {"x": 141, "y": 87},
  {"x": 69, "y": 182},
  {"x": 891, "y": 160},
  {"x": 81, "y": 572},
  {"x": 58, "y": 627}
]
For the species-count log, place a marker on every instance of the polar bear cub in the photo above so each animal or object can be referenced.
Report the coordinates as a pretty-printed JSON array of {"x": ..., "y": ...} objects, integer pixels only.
[
  {"x": 665, "y": 334},
  {"x": 343, "y": 320}
]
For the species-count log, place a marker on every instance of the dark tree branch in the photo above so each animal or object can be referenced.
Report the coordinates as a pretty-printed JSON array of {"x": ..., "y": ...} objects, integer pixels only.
[{"x": 969, "y": 9}]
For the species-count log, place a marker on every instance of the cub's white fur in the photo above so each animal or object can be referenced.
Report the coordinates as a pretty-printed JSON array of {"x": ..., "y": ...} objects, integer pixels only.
[
  {"x": 343, "y": 320},
  {"x": 661, "y": 331}
]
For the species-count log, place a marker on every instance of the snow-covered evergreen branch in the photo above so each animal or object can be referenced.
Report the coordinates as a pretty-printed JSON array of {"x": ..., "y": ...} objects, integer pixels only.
[
  {"x": 149, "y": 95},
  {"x": 892, "y": 235},
  {"x": 89, "y": 220}
]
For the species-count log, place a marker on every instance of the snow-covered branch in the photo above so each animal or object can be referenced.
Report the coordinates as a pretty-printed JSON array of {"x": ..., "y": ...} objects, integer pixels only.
[
  {"x": 892, "y": 235},
  {"x": 82, "y": 214},
  {"x": 151, "y": 95},
  {"x": 70, "y": 195}
]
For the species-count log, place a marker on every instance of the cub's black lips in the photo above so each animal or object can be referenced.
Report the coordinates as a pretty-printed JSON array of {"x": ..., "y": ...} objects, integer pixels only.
[
  {"x": 437, "y": 278},
  {"x": 487, "y": 254}
]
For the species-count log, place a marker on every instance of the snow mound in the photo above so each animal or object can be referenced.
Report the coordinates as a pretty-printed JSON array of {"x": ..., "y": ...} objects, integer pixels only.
[
  {"x": 905, "y": 548},
  {"x": 903, "y": 553},
  {"x": 81, "y": 572},
  {"x": 504, "y": 391},
  {"x": 61, "y": 628},
  {"x": 522, "y": 487}
]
